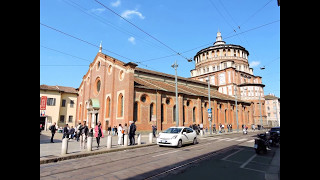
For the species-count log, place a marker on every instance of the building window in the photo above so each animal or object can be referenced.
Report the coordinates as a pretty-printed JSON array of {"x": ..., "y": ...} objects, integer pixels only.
[
  {"x": 71, "y": 103},
  {"x": 108, "y": 108},
  {"x": 194, "y": 114},
  {"x": 98, "y": 85},
  {"x": 70, "y": 119},
  {"x": 135, "y": 112},
  {"x": 63, "y": 103},
  {"x": 120, "y": 105},
  {"x": 62, "y": 118},
  {"x": 51, "y": 101},
  {"x": 151, "y": 111}
]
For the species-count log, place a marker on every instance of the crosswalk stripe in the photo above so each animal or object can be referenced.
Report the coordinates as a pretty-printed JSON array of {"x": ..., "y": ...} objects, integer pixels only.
[{"x": 242, "y": 139}]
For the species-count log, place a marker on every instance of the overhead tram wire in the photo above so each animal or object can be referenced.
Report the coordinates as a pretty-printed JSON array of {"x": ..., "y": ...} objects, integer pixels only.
[
  {"x": 92, "y": 44},
  {"x": 213, "y": 42},
  {"x": 106, "y": 22},
  {"x": 142, "y": 30}
]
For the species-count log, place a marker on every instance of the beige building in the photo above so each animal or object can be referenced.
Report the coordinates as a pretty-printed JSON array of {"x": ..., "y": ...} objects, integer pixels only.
[
  {"x": 273, "y": 110},
  {"x": 57, "y": 104}
]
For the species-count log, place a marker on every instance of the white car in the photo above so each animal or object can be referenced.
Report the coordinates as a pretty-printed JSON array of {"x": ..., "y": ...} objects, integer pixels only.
[{"x": 177, "y": 136}]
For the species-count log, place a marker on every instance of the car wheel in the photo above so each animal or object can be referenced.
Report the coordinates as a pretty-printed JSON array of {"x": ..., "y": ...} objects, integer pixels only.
[
  {"x": 195, "y": 140},
  {"x": 179, "y": 143}
]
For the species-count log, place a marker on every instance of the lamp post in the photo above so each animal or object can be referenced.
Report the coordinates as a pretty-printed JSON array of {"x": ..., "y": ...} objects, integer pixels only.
[
  {"x": 209, "y": 112},
  {"x": 175, "y": 66},
  {"x": 235, "y": 89}
]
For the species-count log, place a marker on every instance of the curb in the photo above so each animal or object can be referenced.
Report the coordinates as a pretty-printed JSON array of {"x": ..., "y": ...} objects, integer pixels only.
[{"x": 91, "y": 153}]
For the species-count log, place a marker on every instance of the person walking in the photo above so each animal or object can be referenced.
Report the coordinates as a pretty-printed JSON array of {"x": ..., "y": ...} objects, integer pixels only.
[
  {"x": 65, "y": 131},
  {"x": 83, "y": 135},
  {"x": 115, "y": 130},
  {"x": 119, "y": 134},
  {"x": 132, "y": 132},
  {"x": 71, "y": 132},
  {"x": 109, "y": 130},
  {"x": 78, "y": 131},
  {"x": 154, "y": 129},
  {"x": 98, "y": 133},
  {"x": 53, "y": 130},
  {"x": 125, "y": 132}
]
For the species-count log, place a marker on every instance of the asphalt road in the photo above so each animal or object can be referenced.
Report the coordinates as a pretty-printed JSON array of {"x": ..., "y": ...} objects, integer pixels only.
[{"x": 221, "y": 157}]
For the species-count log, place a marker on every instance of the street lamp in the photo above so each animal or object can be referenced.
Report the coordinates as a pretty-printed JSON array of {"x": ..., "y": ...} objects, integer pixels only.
[{"x": 175, "y": 66}]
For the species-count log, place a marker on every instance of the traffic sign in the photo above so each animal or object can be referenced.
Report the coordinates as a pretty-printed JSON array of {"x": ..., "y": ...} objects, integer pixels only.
[{"x": 209, "y": 110}]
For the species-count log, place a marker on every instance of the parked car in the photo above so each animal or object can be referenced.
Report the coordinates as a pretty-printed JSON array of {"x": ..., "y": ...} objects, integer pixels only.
[
  {"x": 275, "y": 130},
  {"x": 177, "y": 136}
]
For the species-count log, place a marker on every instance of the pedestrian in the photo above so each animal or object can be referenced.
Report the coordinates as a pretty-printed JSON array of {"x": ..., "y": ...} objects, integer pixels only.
[
  {"x": 83, "y": 135},
  {"x": 125, "y": 132},
  {"x": 53, "y": 130},
  {"x": 71, "y": 132},
  {"x": 113, "y": 131},
  {"x": 78, "y": 131},
  {"x": 132, "y": 132},
  {"x": 98, "y": 133},
  {"x": 214, "y": 128},
  {"x": 109, "y": 130},
  {"x": 40, "y": 128},
  {"x": 116, "y": 130},
  {"x": 154, "y": 129},
  {"x": 65, "y": 131},
  {"x": 253, "y": 127},
  {"x": 119, "y": 134}
]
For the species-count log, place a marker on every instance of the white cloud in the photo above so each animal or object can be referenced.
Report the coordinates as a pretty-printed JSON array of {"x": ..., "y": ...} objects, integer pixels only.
[
  {"x": 97, "y": 10},
  {"x": 128, "y": 13},
  {"x": 132, "y": 40},
  {"x": 254, "y": 63},
  {"x": 116, "y": 4}
]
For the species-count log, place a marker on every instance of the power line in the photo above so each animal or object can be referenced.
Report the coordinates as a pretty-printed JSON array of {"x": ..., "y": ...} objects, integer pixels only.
[
  {"x": 64, "y": 53},
  {"x": 141, "y": 30},
  {"x": 92, "y": 44},
  {"x": 106, "y": 22}
]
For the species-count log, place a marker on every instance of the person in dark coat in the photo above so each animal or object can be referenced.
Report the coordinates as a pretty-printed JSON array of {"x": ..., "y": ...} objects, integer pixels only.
[
  {"x": 65, "y": 131},
  {"x": 53, "y": 130},
  {"x": 132, "y": 132}
]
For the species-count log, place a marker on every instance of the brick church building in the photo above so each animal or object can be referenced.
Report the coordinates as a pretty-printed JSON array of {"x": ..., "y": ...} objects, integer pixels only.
[{"x": 114, "y": 92}]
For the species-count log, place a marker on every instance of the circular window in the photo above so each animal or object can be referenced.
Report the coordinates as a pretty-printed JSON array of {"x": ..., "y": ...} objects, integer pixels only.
[
  {"x": 143, "y": 99},
  {"x": 168, "y": 101}
]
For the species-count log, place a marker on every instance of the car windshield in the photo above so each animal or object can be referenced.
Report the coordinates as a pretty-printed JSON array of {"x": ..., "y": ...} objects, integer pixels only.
[{"x": 173, "y": 130}]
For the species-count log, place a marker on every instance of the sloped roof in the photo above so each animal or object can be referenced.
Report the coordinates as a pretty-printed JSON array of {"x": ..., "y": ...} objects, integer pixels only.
[
  {"x": 59, "y": 88},
  {"x": 184, "y": 89}
]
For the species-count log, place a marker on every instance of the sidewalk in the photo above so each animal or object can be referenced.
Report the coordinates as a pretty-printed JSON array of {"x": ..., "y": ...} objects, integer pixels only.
[{"x": 51, "y": 152}]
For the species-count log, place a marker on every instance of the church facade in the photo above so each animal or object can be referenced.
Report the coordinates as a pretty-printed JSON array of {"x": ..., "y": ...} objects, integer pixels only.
[{"x": 114, "y": 92}]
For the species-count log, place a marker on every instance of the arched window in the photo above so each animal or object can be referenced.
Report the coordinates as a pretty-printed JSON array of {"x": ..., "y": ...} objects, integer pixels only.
[
  {"x": 120, "y": 105},
  {"x": 151, "y": 111},
  {"x": 136, "y": 112},
  {"x": 80, "y": 108},
  {"x": 108, "y": 108},
  {"x": 194, "y": 114}
]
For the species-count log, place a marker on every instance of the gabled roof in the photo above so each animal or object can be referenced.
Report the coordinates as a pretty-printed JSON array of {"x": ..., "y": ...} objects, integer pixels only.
[{"x": 59, "y": 88}]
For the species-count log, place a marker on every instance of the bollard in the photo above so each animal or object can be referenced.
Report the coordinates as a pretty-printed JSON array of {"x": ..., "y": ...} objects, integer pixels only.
[
  {"x": 201, "y": 132},
  {"x": 125, "y": 141},
  {"x": 89, "y": 144},
  {"x": 139, "y": 139},
  {"x": 150, "y": 138},
  {"x": 64, "y": 148},
  {"x": 109, "y": 142}
]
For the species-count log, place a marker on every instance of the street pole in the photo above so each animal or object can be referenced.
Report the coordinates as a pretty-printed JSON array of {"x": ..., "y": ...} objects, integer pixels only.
[
  {"x": 235, "y": 89},
  {"x": 175, "y": 65},
  {"x": 209, "y": 114},
  {"x": 260, "y": 110}
]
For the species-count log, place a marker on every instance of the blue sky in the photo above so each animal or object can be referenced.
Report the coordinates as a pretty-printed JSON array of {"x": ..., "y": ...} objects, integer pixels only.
[{"x": 181, "y": 26}]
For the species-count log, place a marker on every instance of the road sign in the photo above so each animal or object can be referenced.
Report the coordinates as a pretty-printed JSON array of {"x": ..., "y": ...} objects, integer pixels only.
[{"x": 209, "y": 110}]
